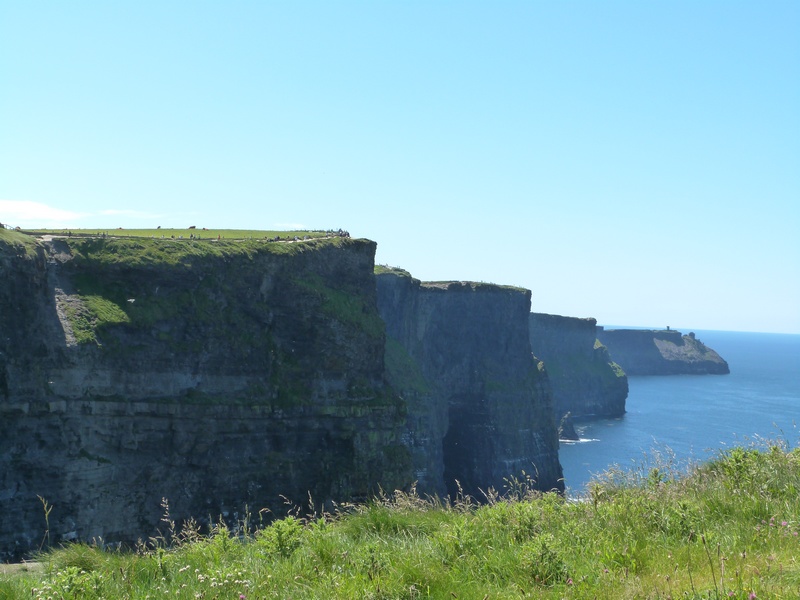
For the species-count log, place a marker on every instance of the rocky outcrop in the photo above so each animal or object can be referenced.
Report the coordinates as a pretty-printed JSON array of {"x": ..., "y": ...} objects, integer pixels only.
[
  {"x": 214, "y": 374},
  {"x": 479, "y": 409},
  {"x": 661, "y": 352},
  {"x": 585, "y": 381}
]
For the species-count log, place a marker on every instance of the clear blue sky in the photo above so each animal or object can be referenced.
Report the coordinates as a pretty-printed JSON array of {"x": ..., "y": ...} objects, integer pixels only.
[{"x": 638, "y": 162}]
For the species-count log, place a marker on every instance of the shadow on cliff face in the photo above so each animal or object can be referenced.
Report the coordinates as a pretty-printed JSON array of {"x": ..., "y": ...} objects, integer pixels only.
[
  {"x": 466, "y": 453},
  {"x": 216, "y": 376},
  {"x": 3, "y": 378},
  {"x": 480, "y": 411}
]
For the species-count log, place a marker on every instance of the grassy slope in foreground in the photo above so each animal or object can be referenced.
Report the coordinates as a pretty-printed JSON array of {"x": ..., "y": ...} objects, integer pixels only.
[{"x": 728, "y": 529}]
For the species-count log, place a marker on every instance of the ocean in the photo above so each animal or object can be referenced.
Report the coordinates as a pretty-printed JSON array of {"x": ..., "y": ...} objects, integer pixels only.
[{"x": 692, "y": 418}]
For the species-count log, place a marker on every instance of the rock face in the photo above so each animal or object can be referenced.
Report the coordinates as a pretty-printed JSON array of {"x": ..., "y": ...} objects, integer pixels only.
[
  {"x": 220, "y": 375},
  {"x": 586, "y": 382},
  {"x": 661, "y": 352},
  {"x": 479, "y": 409},
  {"x": 213, "y": 374}
]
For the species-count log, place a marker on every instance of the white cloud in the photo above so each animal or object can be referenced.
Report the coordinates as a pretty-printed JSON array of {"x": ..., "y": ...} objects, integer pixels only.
[
  {"x": 28, "y": 214},
  {"x": 24, "y": 213}
]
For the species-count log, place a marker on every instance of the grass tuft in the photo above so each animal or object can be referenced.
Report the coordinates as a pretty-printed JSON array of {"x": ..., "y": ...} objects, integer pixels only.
[{"x": 725, "y": 529}]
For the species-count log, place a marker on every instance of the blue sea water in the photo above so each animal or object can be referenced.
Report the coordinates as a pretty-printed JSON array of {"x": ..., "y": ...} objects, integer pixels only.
[{"x": 694, "y": 417}]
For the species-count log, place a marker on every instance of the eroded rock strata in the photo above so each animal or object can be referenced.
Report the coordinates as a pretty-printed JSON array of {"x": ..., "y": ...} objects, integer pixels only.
[
  {"x": 586, "y": 382},
  {"x": 479, "y": 409},
  {"x": 225, "y": 375},
  {"x": 216, "y": 375},
  {"x": 661, "y": 352}
]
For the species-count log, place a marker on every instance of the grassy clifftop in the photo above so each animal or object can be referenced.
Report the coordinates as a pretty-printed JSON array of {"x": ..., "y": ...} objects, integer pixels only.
[
  {"x": 145, "y": 250},
  {"x": 16, "y": 243},
  {"x": 111, "y": 290},
  {"x": 188, "y": 233}
]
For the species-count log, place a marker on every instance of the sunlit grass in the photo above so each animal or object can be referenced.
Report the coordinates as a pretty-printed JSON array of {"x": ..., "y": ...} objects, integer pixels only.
[
  {"x": 196, "y": 233},
  {"x": 727, "y": 529},
  {"x": 18, "y": 242}
]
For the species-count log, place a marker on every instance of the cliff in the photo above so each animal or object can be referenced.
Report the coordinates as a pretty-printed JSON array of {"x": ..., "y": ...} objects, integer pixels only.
[
  {"x": 214, "y": 374},
  {"x": 661, "y": 352},
  {"x": 479, "y": 409},
  {"x": 584, "y": 379}
]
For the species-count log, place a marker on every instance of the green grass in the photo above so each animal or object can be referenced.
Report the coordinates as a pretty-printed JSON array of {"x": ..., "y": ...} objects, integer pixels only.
[
  {"x": 17, "y": 243},
  {"x": 94, "y": 313},
  {"x": 138, "y": 251},
  {"x": 600, "y": 366},
  {"x": 350, "y": 309},
  {"x": 383, "y": 269},
  {"x": 202, "y": 234},
  {"x": 141, "y": 247},
  {"x": 100, "y": 267},
  {"x": 574, "y": 365},
  {"x": 403, "y": 371},
  {"x": 726, "y": 529},
  {"x": 474, "y": 285}
]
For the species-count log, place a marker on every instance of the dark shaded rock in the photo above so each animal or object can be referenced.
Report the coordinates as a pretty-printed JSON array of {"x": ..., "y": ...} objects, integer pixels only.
[
  {"x": 661, "y": 352},
  {"x": 566, "y": 429},
  {"x": 217, "y": 375},
  {"x": 586, "y": 382},
  {"x": 479, "y": 409}
]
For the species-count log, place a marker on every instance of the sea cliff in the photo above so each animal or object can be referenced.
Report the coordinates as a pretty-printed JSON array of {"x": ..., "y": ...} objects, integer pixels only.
[
  {"x": 661, "y": 352},
  {"x": 227, "y": 375},
  {"x": 214, "y": 374},
  {"x": 479, "y": 408},
  {"x": 585, "y": 381}
]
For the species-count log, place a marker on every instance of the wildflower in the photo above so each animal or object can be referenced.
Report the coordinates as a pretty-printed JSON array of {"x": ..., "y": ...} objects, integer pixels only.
[
  {"x": 242, "y": 597},
  {"x": 784, "y": 523},
  {"x": 569, "y": 581},
  {"x": 752, "y": 596}
]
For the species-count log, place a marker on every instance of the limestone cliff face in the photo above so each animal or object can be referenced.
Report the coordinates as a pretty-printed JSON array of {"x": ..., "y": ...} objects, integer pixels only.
[
  {"x": 213, "y": 374},
  {"x": 661, "y": 352},
  {"x": 479, "y": 410},
  {"x": 585, "y": 381}
]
